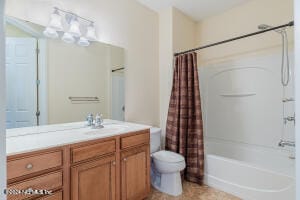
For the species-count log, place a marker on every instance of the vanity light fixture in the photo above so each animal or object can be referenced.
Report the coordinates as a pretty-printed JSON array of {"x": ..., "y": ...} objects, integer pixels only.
[
  {"x": 91, "y": 32},
  {"x": 83, "y": 42},
  {"x": 73, "y": 30},
  {"x": 74, "y": 27},
  {"x": 56, "y": 21},
  {"x": 50, "y": 32},
  {"x": 68, "y": 38}
]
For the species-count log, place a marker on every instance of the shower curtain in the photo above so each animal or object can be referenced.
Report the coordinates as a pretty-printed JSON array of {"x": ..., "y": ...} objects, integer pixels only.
[{"x": 184, "y": 131}]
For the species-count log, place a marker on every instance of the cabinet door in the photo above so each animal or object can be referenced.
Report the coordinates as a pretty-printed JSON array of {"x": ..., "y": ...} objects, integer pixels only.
[
  {"x": 135, "y": 175},
  {"x": 94, "y": 180}
]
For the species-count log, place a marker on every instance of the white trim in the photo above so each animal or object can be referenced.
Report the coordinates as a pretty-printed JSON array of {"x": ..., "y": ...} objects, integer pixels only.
[
  {"x": 23, "y": 26},
  {"x": 297, "y": 92},
  {"x": 43, "y": 77},
  {"x": 108, "y": 73},
  {"x": 2, "y": 106}
]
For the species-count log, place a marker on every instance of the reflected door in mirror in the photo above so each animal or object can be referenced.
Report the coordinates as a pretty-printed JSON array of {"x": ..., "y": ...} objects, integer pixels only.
[{"x": 21, "y": 90}]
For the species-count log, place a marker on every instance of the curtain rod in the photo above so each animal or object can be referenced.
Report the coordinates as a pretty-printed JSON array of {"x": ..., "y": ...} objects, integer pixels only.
[{"x": 235, "y": 38}]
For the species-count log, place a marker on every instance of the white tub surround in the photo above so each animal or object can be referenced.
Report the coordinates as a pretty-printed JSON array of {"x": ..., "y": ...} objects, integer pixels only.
[
  {"x": 22, "y": 140},
  {"x": 243, "y": 111},
  {"x": 251, "y": 174}
]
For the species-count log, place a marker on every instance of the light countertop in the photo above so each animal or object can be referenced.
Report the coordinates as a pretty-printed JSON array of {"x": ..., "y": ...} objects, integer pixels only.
[{"x": 28, "y": 139}]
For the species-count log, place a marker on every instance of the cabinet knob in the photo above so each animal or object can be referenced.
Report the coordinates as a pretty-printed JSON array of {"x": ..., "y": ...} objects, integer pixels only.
[
  {"x": 125, "y": 159},
  {"x": 29, "y": 166},
  {"x": 113, "y": 162}
]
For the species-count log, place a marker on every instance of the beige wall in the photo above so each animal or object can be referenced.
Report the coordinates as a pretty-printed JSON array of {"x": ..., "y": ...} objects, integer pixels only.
[
  {"x": 177, "y": 32},
  {"x": 165, "y": 63},
  {"x": 184, "y": 31},
  {"x": 240, "y": 20},
  {"x": 116, "y": 57},
  {"x": 12, "y": 31},
  {"x": 75, "y": 71},
  {"x": 134, "y": 27},
  {"x": 123, "y": 23}
]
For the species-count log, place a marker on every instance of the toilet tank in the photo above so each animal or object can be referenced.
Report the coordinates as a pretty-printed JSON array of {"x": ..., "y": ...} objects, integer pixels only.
[{"x": 155, "y": 139}]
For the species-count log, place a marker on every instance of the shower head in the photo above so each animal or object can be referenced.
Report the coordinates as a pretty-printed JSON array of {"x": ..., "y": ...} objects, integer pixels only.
[{"x": 265, "y": 26}]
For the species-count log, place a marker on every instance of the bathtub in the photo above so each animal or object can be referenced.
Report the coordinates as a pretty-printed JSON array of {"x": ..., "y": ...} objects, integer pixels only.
[{"x": 249, "y": 173}]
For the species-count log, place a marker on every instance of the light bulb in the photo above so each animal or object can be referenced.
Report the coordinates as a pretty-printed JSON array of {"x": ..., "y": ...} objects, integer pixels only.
[
  {"x": 83, "y": 42},
  {"x": 75, "y": 28},
  {"x": 50, "y": 32},
  {"x": 56, "y": 21},
  {"x": 91, "y": 33},
  {"x": 68, "y": 38}
]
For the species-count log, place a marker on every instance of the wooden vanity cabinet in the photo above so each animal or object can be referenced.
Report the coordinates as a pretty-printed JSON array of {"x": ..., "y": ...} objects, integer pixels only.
[
  {"x": 135, "y": 182},
  {"x": 56, "y": 196},
  {"x": 115, "y": 168},
  {"x": 94, "y": 180},
  {"x": 40, "y": 170},
  {"x": 135, "y": 166}
]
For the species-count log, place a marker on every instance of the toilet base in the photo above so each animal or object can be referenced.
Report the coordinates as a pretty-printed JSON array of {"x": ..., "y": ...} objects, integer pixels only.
[{"x": 168, "y": 183}]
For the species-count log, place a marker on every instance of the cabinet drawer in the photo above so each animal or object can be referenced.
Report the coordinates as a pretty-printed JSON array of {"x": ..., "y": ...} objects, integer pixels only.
[
  {"x": 55, "y": 196},
  {"x": 52, "y": 181},
  {"x": 35, "y": 163},
  {"x": 93, "y": 150},
  {"x": 141, "y": 138}
]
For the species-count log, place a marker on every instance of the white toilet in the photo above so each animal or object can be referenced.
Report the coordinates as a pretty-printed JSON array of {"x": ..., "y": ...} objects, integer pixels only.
[{"x": 165, "y": 166}]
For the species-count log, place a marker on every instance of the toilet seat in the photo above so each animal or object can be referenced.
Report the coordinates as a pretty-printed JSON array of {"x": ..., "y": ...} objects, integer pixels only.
[
  {"x": 168, "y": 162},
  {"x": 168, "y": 156}
]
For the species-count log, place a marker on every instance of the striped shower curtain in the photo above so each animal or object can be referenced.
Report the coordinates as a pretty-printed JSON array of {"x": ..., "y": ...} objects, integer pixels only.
[{"x": 184, "y": 131}]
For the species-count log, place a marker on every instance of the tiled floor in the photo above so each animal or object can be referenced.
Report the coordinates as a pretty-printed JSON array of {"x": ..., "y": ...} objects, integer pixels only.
[{"x": 193, "y": 191}]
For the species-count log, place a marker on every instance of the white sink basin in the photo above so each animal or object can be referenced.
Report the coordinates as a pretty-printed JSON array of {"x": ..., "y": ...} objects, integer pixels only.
[{"x": 110, "y": 128}]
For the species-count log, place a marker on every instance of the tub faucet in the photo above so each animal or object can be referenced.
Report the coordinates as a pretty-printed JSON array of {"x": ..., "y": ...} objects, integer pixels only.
[
  {"x": 284, "y": 143},
  {"x": 290, "y": 119},
  {"x": 287, "y": 100}
]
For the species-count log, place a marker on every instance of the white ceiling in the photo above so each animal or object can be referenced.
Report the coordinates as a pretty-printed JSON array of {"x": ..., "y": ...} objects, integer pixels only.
[{"x": 197, "y": 9}]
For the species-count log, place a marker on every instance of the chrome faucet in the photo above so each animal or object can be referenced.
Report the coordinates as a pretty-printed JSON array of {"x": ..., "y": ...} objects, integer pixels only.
[
  {"x": 284, "y": 143},
  {"x": 90, "y": 119},
  {"x": 98, "y": 121}
]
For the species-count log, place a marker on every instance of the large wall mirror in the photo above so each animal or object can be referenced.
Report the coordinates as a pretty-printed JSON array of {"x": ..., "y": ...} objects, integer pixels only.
[{"x": 50, "y": 81}]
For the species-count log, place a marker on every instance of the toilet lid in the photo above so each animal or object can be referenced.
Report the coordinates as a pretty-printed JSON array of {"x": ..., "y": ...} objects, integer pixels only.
[{"x": 168, "y": 156}]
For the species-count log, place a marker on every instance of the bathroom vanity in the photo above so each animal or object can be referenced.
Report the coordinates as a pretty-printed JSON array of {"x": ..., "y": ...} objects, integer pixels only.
[{"x": 80, "y": 163}]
